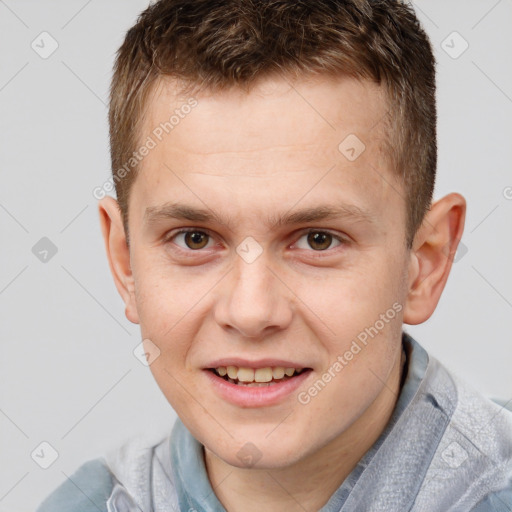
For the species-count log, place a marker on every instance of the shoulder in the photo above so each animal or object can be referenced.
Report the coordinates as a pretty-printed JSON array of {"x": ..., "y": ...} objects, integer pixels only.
[
  {"x": 500, "y": 501},
  {"x": 485, "y": 423},
  {"x": 142, "y": 463},
  {"x": 472, "y": 465},
  {"x": 86, "y": 490},
  {"x": 125, "y": 478}
]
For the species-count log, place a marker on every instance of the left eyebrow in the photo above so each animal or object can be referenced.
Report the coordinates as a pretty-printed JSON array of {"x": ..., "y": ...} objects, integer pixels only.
[
  {"x": 321, "y": 213},
  {"x": 182, "y": 211}
]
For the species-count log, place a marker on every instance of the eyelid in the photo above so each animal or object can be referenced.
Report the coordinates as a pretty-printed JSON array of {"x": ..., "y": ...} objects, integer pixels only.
[
  {"x": 298, "y": 235},
  {"x": 177, "y": 231}
]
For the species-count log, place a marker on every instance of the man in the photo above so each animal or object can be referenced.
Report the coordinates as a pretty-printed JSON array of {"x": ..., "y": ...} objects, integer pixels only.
[{"x": 274, "y": 164}]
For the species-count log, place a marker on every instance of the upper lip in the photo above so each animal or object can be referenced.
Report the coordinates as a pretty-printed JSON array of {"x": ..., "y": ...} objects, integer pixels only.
[{"x": 259, "y": 363}]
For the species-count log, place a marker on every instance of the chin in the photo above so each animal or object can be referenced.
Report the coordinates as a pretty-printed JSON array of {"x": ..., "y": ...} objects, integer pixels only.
[{"x": 261, "y": 451}]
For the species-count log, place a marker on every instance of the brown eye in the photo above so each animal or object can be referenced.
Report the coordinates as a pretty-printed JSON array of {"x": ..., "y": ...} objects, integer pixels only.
[
  {"x": 190, "y": 239},
  {"x": 196, "y": 239},
  {"x": 319, "y": 240}
]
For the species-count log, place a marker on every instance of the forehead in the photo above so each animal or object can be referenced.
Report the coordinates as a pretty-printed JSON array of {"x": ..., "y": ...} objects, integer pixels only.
[
  {"x": 273, "y": 144},
  {"x": 310, "y": 111}
]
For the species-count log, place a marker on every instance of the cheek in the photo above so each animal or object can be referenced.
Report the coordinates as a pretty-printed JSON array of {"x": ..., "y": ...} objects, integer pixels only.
[
  {"x": 163, "y": 292},
  {"x": 349, "y": 299},
  {"x": 358, "y": 319},
  {"x": 164, "y": 306}
]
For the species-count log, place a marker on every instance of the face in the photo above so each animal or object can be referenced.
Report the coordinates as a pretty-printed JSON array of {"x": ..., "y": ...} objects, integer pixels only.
[{"x": 261, "y": 239}]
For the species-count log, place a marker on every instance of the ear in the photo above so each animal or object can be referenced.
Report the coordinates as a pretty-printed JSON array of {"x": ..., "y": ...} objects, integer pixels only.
[
  {"x": 432, "y": 255},
  {"x": 118, "y": 254}
]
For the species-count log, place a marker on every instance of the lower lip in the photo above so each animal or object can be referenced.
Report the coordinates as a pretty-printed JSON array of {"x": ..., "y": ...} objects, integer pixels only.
[{"x": 262, "y": 396}]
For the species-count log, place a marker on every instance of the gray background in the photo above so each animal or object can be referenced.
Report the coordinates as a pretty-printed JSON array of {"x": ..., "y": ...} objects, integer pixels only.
[{"x": 69, "y": 376}]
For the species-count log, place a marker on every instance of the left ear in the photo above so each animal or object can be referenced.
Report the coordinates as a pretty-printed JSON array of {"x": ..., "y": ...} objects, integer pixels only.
[{"x": 432, "y": 254}]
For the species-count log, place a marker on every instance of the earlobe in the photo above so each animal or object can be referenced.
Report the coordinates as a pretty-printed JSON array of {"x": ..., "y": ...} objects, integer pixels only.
[
  {"x": 432, "y": 255},
  {"x": 118, "y": 254}
]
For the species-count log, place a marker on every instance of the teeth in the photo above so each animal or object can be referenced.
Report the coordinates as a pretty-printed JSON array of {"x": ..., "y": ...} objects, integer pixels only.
[
  {"x": 232, "y": 372},
  {"x": 262, "y": 375},
  {"x": 259, "y": 376},
  {"x": 245, "y": 374},
  {"x": 278, "y": 372}
]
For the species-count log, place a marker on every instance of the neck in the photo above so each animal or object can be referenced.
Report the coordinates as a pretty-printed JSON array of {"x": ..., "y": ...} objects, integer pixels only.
[{"x": 309, "y": 483}]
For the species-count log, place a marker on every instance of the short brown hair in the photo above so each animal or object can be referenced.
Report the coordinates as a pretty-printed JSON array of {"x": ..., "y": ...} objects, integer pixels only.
[{"x": 216, "y": 44}]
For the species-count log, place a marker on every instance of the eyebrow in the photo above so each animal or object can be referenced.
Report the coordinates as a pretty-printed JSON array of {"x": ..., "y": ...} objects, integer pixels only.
[{"x": 180, "y": 211}]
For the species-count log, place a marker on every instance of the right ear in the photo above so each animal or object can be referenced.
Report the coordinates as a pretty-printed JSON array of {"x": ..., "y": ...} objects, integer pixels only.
[{"x": 118, "y": 254}]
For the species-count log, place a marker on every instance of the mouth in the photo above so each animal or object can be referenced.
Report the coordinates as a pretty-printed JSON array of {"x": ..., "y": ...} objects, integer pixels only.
[
  {"x": 253, "y": 384},
  {"x": 257, "y": 377}
]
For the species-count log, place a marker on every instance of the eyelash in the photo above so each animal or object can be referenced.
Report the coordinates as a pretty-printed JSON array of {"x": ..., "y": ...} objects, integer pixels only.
[{"x": 172, "y": 235}]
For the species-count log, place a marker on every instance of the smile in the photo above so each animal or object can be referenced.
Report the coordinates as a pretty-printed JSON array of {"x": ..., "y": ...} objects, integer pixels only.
[
  {"x": 256, "y": 387},
  {"x": 256, "y": 377}
]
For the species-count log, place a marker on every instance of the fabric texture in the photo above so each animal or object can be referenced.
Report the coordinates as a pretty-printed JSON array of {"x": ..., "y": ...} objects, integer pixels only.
[
  {"x": 446, "y": 448},
  {"x": 86, "y": 490}
]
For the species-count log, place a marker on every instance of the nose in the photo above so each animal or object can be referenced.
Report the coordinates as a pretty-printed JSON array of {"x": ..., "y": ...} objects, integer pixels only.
[{"x": 254, "y": 301}]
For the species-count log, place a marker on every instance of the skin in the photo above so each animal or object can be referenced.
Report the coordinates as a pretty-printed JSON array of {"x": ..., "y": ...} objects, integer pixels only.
[{"x": 248, "y": 157}]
